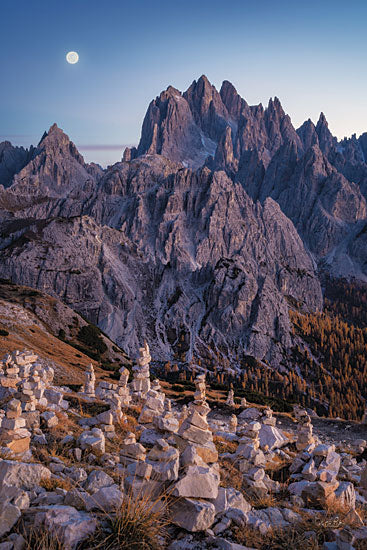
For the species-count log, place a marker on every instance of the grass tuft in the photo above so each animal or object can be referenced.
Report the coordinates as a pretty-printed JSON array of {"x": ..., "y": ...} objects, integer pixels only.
[{"x": 139, "y": 524}]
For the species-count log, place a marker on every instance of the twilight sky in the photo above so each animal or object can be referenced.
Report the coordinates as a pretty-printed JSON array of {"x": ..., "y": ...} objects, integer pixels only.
[{"x": 310, "y": 54}]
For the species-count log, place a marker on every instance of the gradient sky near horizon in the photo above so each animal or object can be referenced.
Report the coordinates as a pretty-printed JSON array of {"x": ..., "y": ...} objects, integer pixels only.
[{"x": 312, "y": 55}]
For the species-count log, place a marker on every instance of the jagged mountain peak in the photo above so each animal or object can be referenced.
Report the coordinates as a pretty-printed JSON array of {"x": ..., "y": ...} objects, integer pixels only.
[
  {"x": 56, "y": 137},
  {"x": 12, "y": 160},
  {"x": 54, "y": 168},
  {"x": 275, "y": 105},
  {"x": 322, "y": 120},
  {"x": 308, "y": 135},
  {"x": 196, "y": 125},
  {"x": 326, "y": 140},
  {"x": 5, "y": 145}
]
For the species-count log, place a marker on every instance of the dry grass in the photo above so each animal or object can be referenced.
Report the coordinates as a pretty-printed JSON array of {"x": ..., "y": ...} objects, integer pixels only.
[
  {"x": 298, "y": 537},
  {"x": 52, "y": 484},
  {"x": 139, "y": 524},
  {"x": 224, "y": 446},
  {"x": 261, "y": 502},
  {"x": 39, "y": 539},
  {"x": 230, "y": 475}
]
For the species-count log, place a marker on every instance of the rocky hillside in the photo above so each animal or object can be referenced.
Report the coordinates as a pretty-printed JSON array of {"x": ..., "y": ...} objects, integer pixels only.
[{"x": 30, "y": 319}]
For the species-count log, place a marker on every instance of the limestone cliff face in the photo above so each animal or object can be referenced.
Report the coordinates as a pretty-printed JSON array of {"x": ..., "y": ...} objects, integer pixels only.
[
  {"x": 156, "y": 251},
  {"x": 320, "y": 183}
]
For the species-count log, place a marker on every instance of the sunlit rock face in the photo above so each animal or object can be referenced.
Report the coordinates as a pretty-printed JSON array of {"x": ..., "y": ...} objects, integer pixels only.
[{"x": 155, "y": 251}]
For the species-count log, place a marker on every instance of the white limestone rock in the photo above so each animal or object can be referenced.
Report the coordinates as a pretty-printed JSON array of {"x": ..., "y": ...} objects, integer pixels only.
[
  {"x": 21, "y": 474},
  {"x": 192, "y": 514},
  {"x": 66, "y": 524},
  {"x": 198, "y": 482}
]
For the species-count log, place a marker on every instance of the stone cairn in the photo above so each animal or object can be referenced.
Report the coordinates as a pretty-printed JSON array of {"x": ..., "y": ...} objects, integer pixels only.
[
  {"x": 22, "y": 376},
  {"x": 133, "y": 468},
  {"x": 167, "y": 422},
  {"x": 251, "y": 462},
  {"x": 140, "y": 384},
  {"x": 233, "y": 423},
  {"x": 153, "y": 405},
  {"x": 199, "y": 471},
  {"x": 123, "y": 390},
  {"x": 90, "y": 380},
  {"x": 13, "y": 433},
  {"x": 268, "y": 419},
  {"x": 305, "y": 438},
  {"x": 195, "y": 431},
  {"x": 16, "y": 366},
  {"x": 243, "y": 403},
  {"x": 230, "y": 399}
]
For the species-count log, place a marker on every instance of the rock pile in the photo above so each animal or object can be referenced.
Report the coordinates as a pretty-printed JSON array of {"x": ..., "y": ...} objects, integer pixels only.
[
  {"x": 153, "y": 405},
  {"x": 172, "y": 450},
  {"x": 230, "y": 399},
  {"x": 315, "y": 474}
]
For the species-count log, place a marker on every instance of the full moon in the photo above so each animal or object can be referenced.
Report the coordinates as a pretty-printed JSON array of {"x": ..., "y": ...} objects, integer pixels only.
[{"x": 72, "y": 58}]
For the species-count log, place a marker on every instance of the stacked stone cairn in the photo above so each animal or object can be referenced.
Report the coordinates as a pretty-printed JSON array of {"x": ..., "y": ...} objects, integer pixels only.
[
  {"x": 14, "y": 435},
  {"x": 90, "y": 380},
  {"x": 268, "y": 419},
  {"x": 199, "y": 470},
  {"x": 305, "y": 438},
  {"x": 153, "y": 405},
  {"x": 133, "y": 469},
  {"x": 16, "y": 366},
  {"x": 26, "y": 379},
  {"x": 167, "y": 422},
  {"x": 233, "y": 423},
  {"x": 123, "y": 390},
  {"x": 251, "y": 460},
  {"x": 230, "y": 399},
  {"x": 106, "y": 390},
  {"x": 140, "y": 384}
]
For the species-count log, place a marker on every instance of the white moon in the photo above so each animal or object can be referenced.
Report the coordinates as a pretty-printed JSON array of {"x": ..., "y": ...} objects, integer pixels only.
[{"x": 72, "y": 58}]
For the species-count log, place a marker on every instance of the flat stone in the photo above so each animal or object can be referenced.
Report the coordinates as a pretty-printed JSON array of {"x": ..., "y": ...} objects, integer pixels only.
[
  {"x": 97, "y": 480},
  {"x": 271, "y": 437},
  {"x": 107, "y": 499},
  {"x": 66, "y": 524},
  {"x": 230, "y": 498},
  {"x": 22, "y": 474},
  {"x": 198, "y": 482},
  {"x": 193, "y": 515}
]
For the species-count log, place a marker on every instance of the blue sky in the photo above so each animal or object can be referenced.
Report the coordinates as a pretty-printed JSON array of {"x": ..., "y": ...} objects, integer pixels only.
[{"x": 312, "y": 55}]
